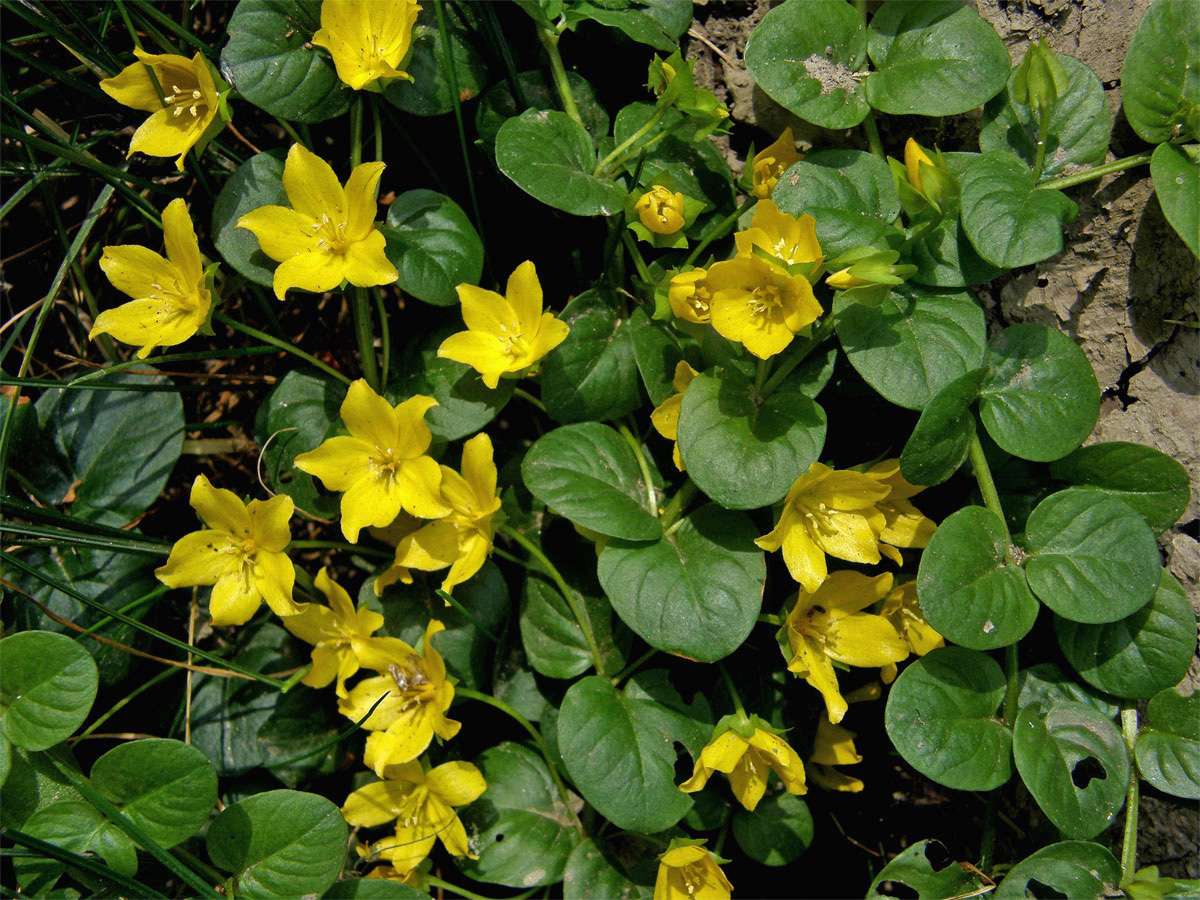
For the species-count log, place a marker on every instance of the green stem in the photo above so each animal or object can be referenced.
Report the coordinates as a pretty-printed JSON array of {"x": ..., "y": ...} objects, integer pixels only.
[
  {"x": 549, "y": 39},
  {"x": 291, "y": 132},
  {"x": 337, "y": 545},
  {"x": 632, "y": 667},
  {"x": 1129, "y": 730},
  {"x": 540, "y": 741},
  {"x": 619, "y": 152},
  {"x": 120, "y": 704},
  {"x": 991, "y": 499},
  {"x": 1039, "y": 161},
  {"x": 282, "y": 345},
  {"x": 676, "y": 505},
  {"x": 873, "y": 140},
  {"x": 569, "y": 595},
  {"x": 798, "y": 356},
  {"x": 718, "y": 230},
  {"x": 366, "y": 339},
  {"x": 733, "y": 692},
  {"x": 450, "y": 601},
  {"x": 529, "y": 398},
  {"x": 1120, "y": 165},
  {"x": 636, "y": 446},
  {"x": 356, "y": 117},
  {"x": 636, "y": 255},
  {"x": 77, "y": 861},
  {"x": 1011, "y": 694},
  {"x": 377, "y": 124},
  {"x": 761, "y": 368},
  {"x": 385, "y": 335},
  {"x": 987, "y": 843}
]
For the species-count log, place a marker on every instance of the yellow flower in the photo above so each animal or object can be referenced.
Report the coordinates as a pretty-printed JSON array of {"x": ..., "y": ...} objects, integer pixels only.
[
  {"x": 368, "y": 39},
  {"x": 829, "y": 624},
  {"x": 689, "y": 872},
  {"x": 402, "y": 526},
  {"x": 900, "y": 607},
  {"x": 834, "y": 746},
  {"x": 183, "y": 115},
  {"x": 772, "y": 162},
  {"x": 690, "y": 297},
  {"x": 661, "y": 210},
  {"x": 171, "y": 302},
  {"x": 337, "y": 632},
  {"x": 389, "y": 873},
  {"x": 381, "y": 465},
  {"x": 418, "y": 695},
  {"x": 665, "y": 418},
  {"x": 759, "y": 304},
  {"x": 748, "y": 762},
  {"x": 842, "y": 280},
  {"x": 422, "y": 803},
  {"x": 827, "y": 511},
  {"x": 463, "y": 539},
  {"x": 505, "y": 334},
  {"x": 240, "y": 554},
  {"x": 790, "y": 240},
  {"x": 328, "y": 234},
  {"x": 914, "y": 156},
  {"x": 904, "y": 524}
]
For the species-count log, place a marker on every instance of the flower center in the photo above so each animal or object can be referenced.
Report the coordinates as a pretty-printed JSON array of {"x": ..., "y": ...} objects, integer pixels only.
[
  {"x": 331, "y": 236},
  {"x": 765, "y": 300},
  {"x": 174, "y": 296},
  {"x": 699, "y": 300},
  {"x": 512, "y": 341},
  {"x": 413, "y": 685},
  {"x": 181, "y": 99}
]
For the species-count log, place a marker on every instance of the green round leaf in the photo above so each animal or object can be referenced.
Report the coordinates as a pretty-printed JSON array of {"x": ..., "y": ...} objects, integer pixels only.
[
  {"x": 1137, "y": 656},
  {"x": 914, "y": 344},
  {"x": 298, "y": 414},
  {"x": 550, "y": 157},
  {"x": 945, "y": 258},
  {"x": 1176, "y": 174},
  {"x": 1078, "y": 869},
  {"x": 588, "y": 473},
  {"x": 47, "y": 685},
  {"x": 433, "y": 246},
  {"x": 915, "y": 870},
  {"x": 1141, "y": 477},
  {"x": 1168, "y": 751},
  {"x": 657, "y": 350},
  {"x": 1092, "y": 559},
  {"x": 941, "y": 716},
  {"x": 257, "y": 182},
  {"x": 1047, "y": 684},
  {"x": 372, "y": 889},
  {"x": 850, "y": 193},
  {"x": 1076, "y": 130},
  {"x": 279, "y": 844},
  {"x": 1074, "y": 762},
  {"x": 429, "y": 94},
  {"x": 741, "y": 450},
  {"x": 778, "y": 830},
  {"x": 636, "y": 23},
  {"x": 77, "y": 827},
  {"x": 524, "y": 834},
  {"x": 166, "y": 788},
  {"x": 604, "y": 870},
  {"x": 35, "y": 783},
  {"x": 942, "y": 437},
  {"x": 933, "y": 58},
  {"x": 498, "y": 104},
  {"x": 1009, "y": 221},
  {"x": 804, "y": 55},
  {"x": 592, "y": 374},
  {"x": 6, "y": 758},
  {"x": 1160, "y": 80},
  {"x": 1041, "y": 399},
  {"x": 554, "y": 643},
  {"x": 619, "y": 752},
  {"x": 267, "y": 62},
  {"x": 696, "y": 592}
]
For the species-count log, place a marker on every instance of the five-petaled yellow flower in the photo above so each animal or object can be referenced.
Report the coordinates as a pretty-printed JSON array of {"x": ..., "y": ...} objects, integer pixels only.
[
  {"x": 687, "y": 871},
  {"x": 661, "y": 210},
  {"x": 790, "y": 240},
  {"x": 171, "y": 302},
  {"x": 182, "y": 115},
  {"x": 759, "y": 304},
  {"x": 828, "y": 511},
  {"x": 748, "y": 762},
  {"x": 418, "y": 696},
  {"x": 340, "y": 635},
  {"x": 505, "y": 334},
  {"x": 422, "y": 803},
  {"x": 904, "y": 524},
  {"x": 463, "y": 539},
  {"x": 328, "y": 234},
  {"x": 240, "y": 554},
  {"x": 829, "y": 625},
  {"x": 690, "y": 297},
  {"x": 381, "y": 465},
  {"x": 771, "y": 162},
  {"x": 368, "y": 39},
  {"x": 665, "y": 418},
  {"x": 900, "y": 607},
  {"x": 834, "y": 746}
]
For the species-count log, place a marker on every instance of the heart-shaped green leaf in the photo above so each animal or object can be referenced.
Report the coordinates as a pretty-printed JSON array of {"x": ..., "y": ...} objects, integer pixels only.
[
  {"x": 1078, "y": 869},
  {"x": 1160, "y": 79},
  {"x": 620, "y": 867},
  {"x": 1176, "y": 174},
  {"x": 942, "y": 436},
  {"x": 1143, "y": 478},
  {"x": 433, "y": 246},
  {"x": 1168, "y": 750},
  {"x": 76, "y": 827},
  {"x": 776, "y": 832},
  {"x": 47, "y": 685},
  {"x": 941, "y": 717},
  {"x": 554, "y": 643},
  {"x": 634, "y": 22},
  {"x": 257, "y": 182},
  {"x": 916, "y": 870},
  {"x": 657, "y": 350},
  {"x": 497, "y": 105},
  {"x": 1047, "y": 684}
]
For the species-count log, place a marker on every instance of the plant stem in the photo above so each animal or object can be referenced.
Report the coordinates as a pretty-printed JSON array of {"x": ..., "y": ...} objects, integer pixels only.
[
  {"x": 632, "y": 667},
  {"x": 991, "y": 499},
  {"x": 719, "y": 230},
  {"x": 337, "y": 545},
  {"x": 540, "y": 741},
  {"x": 761, "y": 368},
  {"x": 529, "y": 398},
  {"x": 568, "y": 594},
  {"x": 636, "y": 255},
  {"x": 385, "y": 335},
  {"x": 1119, "y": 165},
  {"x": 676, "y": 504},
  {"x": 1129, "y": 730},
  {"x": 1039, "y": 161},
  {"x": 377, "y": 124},
  {"x": 356, "y": 117},
  {"x": 282, "y": 345},
  {"x": 635, "y": 444},
  {"x": 549, "y": 39},
  {"x": 618, "y": 153},
  {"x": 366, "y": 338},
  {"x": 1011, "y": 694},
  {"x": 873, "y": 140},
  {"x": 733, "y": 693}
]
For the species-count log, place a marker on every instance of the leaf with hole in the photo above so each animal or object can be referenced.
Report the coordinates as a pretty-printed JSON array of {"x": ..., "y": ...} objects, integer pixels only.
[
  {"x": 1075, "y": 764},
  {"x": 433, "y": 245},
  {"x": 1160, "y": 78},
  {"x": 1041, "y": 398},
  {"x": 1176, "y": 174},
  {"x": 695, "y": 592},
  {"x": 776, "y": 832},
  {"x": 918, "y": 871},
  {"x": 1168, "y": 748},
  {"x": 744, "y": 450},
  {"x": 942, "y": 437},
  {"x": 257, "y": 182},
  {"x": 1077, "y": 869},
  {"x": 279, "y": 844},
  {"x": 47, "y": 685},
  {"x": 1091, "y": 558}
]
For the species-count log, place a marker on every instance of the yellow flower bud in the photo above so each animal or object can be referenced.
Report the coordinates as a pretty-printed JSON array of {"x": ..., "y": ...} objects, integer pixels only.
[
  {"x": 660, "y": 210},
  {"x": 844, "y": 281},
  {"x": 913, "y": 157}
]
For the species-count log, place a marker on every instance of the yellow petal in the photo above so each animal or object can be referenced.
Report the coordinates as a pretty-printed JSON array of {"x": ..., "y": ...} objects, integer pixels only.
[
  {"x": 804, "y": 557},
  {"x": 380, "y": 653},
  {"x": 407, "y": 739},
  {"x": 179, "y": 236},
  {"x": 366, "y": 694},
  {"x": 372, "y": 500},
  {"x": 282, "y": 232},
  {"x": 419, "y": 480},
  {"x": 434, "y": 667},
  {"x": 845, "y": 592},
  {"x": 473, "y": 553},
  {"x": 202, "y": 557},
  {"x": 269, "y": 522},
  {"x": 524, "y": 294},
  {"x": 411, "y": 844},
  {"x": 370, "y": 418},
  {"x": 234, "y": 600},
  {"x": 748, "y": 782},
  {"x": 724, "y": 752},
  {"x": 665, "y": 417},
  {"x": 150, "y": 323},
  {"x": 312, "y": 188},
  {"x": 834, "y": 745},
  {"x": 138, "y": 271},
  {"x": 339, "y": 601},
  {"x": 479, "y": 467},
  {"x": 316, "y": 624},
  {"x": 863, "y": 639},
  {"x": 376, "y": 803},
  {"x": 480, "y": 351},
  {"x": 429, "y": 548},
  {"x": 220, "y": 509},
  {"x": 366, "y": 264},
  {"x": 850, "y": 536},
  {"x": 326, "y": 662},
  {"x": 454, "y": 837},
  {"x": 361, "y": 206},
  {"x": 166, "y": 134},
  {"x": 456, "y": 783},
  {"x": 833, "y": 780},
  {"x": 132, "y": 87},
  {"x": 913, "y": 157},
  {"x": 340, "y": 462},
  {"x": 317, "y": 271},
  {"x": 815, "y": 668},
  {"x": 413, "y": 437},
  {"x": 274, "y": 577},
  {"x": 551, "y": 332},
  {"x": 777, "y": 753},
  {"x": 485, "y": 311}
]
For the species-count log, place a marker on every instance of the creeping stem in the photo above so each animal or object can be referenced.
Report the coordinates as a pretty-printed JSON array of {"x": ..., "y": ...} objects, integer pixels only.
[
  {"x": 1129, "y": 730},
  {"x": 366, "y": 338},
  {"x": 1043, "y": 126},
  {"x": 618, "y": 152},
  {"x": 991, "y": 499},
  {"x": 1119, "y": 165},
  {"x": 635, "y": 444},
  {"x": 676, "y": 505},
  {"x": 549, "y": 39}
]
